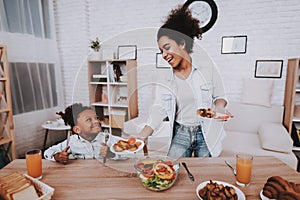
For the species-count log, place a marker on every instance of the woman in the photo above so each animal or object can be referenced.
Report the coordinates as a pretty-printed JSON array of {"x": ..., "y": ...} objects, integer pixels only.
[{"x": 189, "y": 87}]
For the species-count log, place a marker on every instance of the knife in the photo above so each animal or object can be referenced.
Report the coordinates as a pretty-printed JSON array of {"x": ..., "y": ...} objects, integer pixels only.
[
  {"x": 188, "y": 171},
  {"x": 106, "y": 139},
  {"x": 232, "y": 169}
]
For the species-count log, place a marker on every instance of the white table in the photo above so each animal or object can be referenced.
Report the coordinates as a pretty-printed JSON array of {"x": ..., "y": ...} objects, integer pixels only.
[{"x": 54, "y": 126}]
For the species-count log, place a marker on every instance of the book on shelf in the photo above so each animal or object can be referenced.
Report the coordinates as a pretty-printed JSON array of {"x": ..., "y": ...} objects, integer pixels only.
[
  {"x": 111, "y": 74},
  {"x": 296, "y": 134},
  {"x": 99, "y": 76}
]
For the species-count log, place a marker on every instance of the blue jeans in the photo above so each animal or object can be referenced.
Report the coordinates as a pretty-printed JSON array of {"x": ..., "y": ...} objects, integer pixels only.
[{"x": 188, "y": 140}]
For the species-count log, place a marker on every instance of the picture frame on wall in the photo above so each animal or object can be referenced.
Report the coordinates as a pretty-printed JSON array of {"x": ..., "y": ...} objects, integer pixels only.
[
  {"x": 234, "y": 44},
  {"x": 268, "y": 68},
  {"x": 161, "y": 62},
  {"x": 127, "y": 52}
]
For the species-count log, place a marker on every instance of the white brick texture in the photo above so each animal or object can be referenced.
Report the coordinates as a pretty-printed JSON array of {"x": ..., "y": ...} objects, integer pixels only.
[{"x": 271, "y": 26}]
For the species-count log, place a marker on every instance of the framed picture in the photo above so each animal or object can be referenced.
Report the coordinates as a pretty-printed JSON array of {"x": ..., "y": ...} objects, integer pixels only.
[
  {"x": 127, "y": 52},
  {"x": 234, "y": 44},
  {"x": 160, "y": 62},
  {"x": 268, "y": 68}
]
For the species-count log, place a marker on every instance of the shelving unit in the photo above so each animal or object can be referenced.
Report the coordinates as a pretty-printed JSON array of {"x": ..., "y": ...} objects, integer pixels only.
[
  {"x": 292, "y": 94},
  {"x": 7, "y": 136},
  {"x": 113, "y": 92}
]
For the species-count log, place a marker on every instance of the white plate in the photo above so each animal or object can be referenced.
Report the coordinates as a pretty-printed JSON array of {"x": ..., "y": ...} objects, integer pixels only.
[
  {"x": 263, "y": 197},
  {"x": 127, "y": 151},
  {"x": 240, "y": 194},
  {"x": 221, "y": 115}
]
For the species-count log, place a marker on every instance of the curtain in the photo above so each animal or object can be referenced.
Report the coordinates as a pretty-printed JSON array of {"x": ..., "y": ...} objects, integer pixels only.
[
  {"x": 28, "y": 27},
  {"x": 25, "y": 16}
]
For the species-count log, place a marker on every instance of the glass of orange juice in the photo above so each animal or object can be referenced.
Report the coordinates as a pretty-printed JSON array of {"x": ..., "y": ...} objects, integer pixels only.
[
  {"x": 34, "y": 163},
  {"x": 243, "y": 169}
]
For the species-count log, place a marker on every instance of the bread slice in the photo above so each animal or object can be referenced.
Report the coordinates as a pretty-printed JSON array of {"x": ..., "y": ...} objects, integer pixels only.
[
  {"x": 15, "y": 186},
  {"x": 28, "y": 193}
]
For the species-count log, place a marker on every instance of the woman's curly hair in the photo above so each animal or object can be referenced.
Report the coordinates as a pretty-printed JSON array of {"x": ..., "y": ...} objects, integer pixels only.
[
  {"x": 180, "y": 25},
  {"x": 71, "y": 113}
]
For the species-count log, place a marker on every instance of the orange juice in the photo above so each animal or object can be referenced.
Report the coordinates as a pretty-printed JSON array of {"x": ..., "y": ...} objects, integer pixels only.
[
  {"x": 34, "y": 163},
  {"x": 243, "y": 169}
]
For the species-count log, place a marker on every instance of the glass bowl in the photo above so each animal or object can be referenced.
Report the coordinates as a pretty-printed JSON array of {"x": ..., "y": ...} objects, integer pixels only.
[{"x": 157, "y": 173}]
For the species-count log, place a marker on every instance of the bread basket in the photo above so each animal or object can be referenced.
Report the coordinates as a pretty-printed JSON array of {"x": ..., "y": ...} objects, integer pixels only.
[{"x": 45, "y": 190}]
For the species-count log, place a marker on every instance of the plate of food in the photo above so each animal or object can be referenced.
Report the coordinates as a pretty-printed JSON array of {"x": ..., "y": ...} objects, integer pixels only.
[
  {"x": 222, "y": 117},
  {"x": 277, "y": 187},
  {"x": 209, "y": 113},
  {"x": 206, "y": 112},
  {"x": 219, "y": 189},
  {"x": 262, "y": 196},
  {"x": 127, "y": 146}
]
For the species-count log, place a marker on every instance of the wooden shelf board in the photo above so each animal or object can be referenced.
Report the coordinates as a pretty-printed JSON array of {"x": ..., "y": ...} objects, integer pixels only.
[
  {"x": 105, "y": 125},
  {"x": 296, "y": 119},
  {"x": 99, "y": 104},
  {"x": 4, "y": 110},
  {"x": 296, "y": 148},
  {"x": 99, "y": 76},
  {"x": 96, "y": 60},
  {"x": 98, "y": 83},
  {"x": 118, "y": 83},
  {"x": 119, "y": 105},
  {"x": 5, "y": 141}
]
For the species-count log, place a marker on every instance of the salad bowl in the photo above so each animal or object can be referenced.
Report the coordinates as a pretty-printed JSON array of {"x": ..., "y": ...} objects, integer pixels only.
[{"x": 157, "y": 173}]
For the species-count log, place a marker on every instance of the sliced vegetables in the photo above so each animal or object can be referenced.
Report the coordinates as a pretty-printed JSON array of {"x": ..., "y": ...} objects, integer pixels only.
[
  {"x": 156, "y": 175},
  {"x": 163, "y": 171}
]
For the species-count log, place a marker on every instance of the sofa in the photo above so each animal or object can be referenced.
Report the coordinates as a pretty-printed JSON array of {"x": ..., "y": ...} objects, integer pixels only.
[
  {"x": 254, "y": 129},
  {"x": 258, "y": 130}
]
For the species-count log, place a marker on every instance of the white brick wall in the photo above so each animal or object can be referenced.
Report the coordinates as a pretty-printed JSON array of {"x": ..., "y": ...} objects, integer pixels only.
[{"x": 272, "y": 28}]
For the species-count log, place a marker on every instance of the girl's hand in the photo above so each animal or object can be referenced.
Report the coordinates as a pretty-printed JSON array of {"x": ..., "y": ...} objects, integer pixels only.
[
  {"x": 62, "y": 157},
  {"x": 103, "y": 149}
]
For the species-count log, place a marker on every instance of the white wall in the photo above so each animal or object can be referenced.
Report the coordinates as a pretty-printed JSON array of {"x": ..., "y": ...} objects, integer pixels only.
[
  {"x": 27, "y": 126},
  {"x": 272, "y": 28}
]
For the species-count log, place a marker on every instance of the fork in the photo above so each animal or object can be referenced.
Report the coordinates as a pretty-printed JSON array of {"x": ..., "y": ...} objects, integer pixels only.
[
  {"x": 106, "y": 139},
  {"x": 188, "y": 171}
]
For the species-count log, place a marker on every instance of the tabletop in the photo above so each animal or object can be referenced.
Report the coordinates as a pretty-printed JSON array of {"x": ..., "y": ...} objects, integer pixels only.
[
  {"x": 55, "y": 125},
  {"x": 90, "y": 179}
]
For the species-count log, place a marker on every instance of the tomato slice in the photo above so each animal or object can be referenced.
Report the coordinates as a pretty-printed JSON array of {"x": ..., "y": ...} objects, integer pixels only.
[
  {"x": 149, "y": 174},
  {"x": 131, "y": 141},
  {"x": 163, "y": 171},
  {"x": 138, "y": 144},
  {"x": 144, "y": 167}
]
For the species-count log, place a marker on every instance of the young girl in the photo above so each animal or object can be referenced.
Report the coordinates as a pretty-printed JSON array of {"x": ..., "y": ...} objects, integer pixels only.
[{"x": 87, "y": 140}]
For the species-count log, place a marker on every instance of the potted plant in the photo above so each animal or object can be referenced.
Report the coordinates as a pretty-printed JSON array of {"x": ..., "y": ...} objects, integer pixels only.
[{"x": 95, "y": 45}]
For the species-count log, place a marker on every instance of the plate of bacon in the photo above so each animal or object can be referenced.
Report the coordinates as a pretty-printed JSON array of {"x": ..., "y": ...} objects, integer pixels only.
[{"x": 127, "y": 146}]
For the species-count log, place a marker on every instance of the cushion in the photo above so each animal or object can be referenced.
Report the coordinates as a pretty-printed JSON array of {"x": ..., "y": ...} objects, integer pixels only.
[
  {"x": 258, "y": 92},
  {"x": 243, "y": 142},
  {"x": 274, "y": 137}
]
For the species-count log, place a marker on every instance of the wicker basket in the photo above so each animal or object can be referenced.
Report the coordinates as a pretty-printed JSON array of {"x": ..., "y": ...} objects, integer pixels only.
[{"x": 45, "y": 190}]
